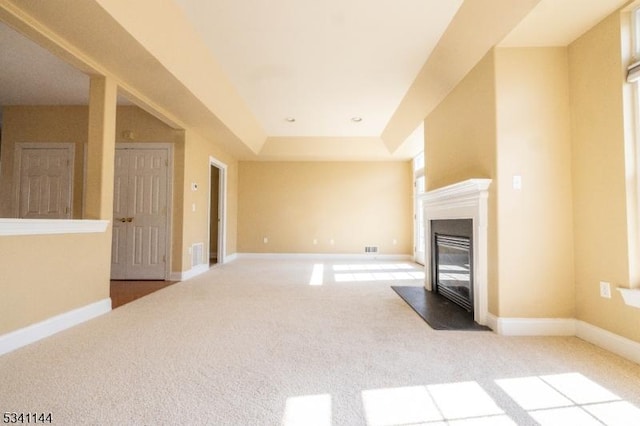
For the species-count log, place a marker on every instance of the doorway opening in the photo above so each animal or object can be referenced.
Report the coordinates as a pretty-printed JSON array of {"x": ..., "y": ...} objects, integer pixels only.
[{"x": 217, "y": 210}]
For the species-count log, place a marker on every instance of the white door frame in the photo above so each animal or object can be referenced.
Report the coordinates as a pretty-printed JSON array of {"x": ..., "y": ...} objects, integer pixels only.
[
  {"x": 222, "y": 210},
  {"x": 169, "y": 226},
  {"x": 17, "y": 169}
]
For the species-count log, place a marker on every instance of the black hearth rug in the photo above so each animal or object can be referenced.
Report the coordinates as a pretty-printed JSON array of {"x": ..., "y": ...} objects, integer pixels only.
[{"x": 439, "y": 312}]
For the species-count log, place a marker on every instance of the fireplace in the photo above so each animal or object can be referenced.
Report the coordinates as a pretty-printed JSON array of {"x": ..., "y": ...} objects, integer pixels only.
[
  {"x": 460, "y": 211},
  {"x": 452, "y": 260}
]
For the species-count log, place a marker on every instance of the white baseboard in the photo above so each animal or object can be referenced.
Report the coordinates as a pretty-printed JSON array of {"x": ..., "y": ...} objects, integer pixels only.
[
  {"x": 534, "y": 326},
  {"x": 24, "y": 336},
  {"x": 230, "y": 257},
  {"x": 492, "y": 322},
  {"x": 336, "y": 256},
  {"x": 185, "y": 275},
  {"x": 612, "y": 342}
]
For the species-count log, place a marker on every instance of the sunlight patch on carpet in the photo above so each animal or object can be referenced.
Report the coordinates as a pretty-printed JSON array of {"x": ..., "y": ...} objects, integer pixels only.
[
  {"x": 569, "y": 398},
  {"x": 317, "y": 275},
  {"x": 308, "y": 410}
]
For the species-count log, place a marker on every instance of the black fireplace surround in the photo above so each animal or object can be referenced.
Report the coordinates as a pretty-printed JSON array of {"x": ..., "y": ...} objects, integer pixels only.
[{"x": 452, "y": 260}]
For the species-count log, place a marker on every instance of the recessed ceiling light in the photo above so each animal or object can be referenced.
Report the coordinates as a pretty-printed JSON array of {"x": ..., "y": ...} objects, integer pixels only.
[
  {"x": 356, "y": 119},
  {"x": 290, "y": 119}
]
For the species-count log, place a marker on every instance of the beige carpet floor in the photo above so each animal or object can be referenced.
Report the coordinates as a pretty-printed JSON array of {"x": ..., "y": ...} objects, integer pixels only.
[{"x": 265, "y": 342}]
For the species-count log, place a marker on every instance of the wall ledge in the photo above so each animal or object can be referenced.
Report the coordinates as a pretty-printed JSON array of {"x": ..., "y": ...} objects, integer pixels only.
[
  {"x": 631, "y": 296},
  {"x": 13, "y": 227},
  {"x": 32, "y": 333}
]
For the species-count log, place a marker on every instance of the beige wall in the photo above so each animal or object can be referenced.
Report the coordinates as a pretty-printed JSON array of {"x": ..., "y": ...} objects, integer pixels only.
[
  {"x": 356, "y": 204},
  {"x": 510, "y": 116},
  {"x": 600, "y": 188},
  {"x": 47, "y": 275},
  {"x": 460, "y": 144},
  {"x": 72, "y": 269},
  {"x": 535, "y": 224},
  {"x": 70, "y": 124},
  {"x": 196, "y": 223}
]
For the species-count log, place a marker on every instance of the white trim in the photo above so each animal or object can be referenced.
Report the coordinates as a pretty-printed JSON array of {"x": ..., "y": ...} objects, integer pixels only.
[
  {"x": 51, "y": 226},
  {"x": 534, "y": 326},
  {"x": 463, "y": 200},
  {"x": 492, "y": 322},
  {"x": 605, "y": 339},
  {"x": 185, "y": 275},
  {"x": 24, "y": 336},
  {"x": 337, "y": 256},
  {"x": 222, "y": 209},
  {"x": 231, "y": 257}
]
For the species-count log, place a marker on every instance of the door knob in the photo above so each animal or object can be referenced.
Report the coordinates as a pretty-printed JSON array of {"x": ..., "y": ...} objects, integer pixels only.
[
  {"x": 129, "y": 219},
  {"x": 122, "y": 219}
]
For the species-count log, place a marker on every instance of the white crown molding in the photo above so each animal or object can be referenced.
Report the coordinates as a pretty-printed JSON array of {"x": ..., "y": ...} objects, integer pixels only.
[
  {"x": 24, "y": 336},
  {"x": 463, "y": 200},
  {"x": 12, "y": 227}
]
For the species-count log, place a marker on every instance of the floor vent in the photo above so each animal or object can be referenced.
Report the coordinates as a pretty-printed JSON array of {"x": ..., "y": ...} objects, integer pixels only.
[
  {"x": 197, "y": 256},
  {"x": 371, "y": 249}
]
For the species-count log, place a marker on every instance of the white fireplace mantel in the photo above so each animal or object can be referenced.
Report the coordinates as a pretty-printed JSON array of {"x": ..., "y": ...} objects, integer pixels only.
[{"x": 463, "y": 200}]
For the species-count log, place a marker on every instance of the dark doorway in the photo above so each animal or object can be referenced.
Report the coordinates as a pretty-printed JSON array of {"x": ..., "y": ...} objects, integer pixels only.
[{"x": 214, "y": 216}]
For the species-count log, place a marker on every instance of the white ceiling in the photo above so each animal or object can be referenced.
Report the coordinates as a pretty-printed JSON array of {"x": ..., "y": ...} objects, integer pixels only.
[
  {"x": 321, "y": 62},
  {"x": 30, "y": 75},
  {"x": 560, "y": 22}
]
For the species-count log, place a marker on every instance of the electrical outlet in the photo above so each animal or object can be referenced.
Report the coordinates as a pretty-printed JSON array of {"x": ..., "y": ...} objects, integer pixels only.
[
  {"x": 517, "y": 182},
  {"x": 315, "y": 241},
  {"x": 605, "y": 289},
  {"x": 265, "y": 240}
]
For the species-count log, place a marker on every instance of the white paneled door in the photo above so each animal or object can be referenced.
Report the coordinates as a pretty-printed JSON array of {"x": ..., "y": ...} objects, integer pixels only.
[
  {"x": 140, "y": 217},
  {"x": 45, "y": 177}
]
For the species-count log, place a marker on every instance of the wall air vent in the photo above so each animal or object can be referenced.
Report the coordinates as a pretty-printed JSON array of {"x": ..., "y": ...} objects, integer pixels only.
[
  {"x": 371, "y": 249},
  {"x": 197, "y": 254}
]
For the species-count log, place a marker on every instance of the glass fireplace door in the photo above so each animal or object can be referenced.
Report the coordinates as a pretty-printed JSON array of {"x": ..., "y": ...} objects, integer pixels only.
[{"x": 453, "y": 269}]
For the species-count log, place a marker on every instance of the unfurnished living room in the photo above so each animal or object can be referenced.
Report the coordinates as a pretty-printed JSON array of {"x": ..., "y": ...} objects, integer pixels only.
[{"x": 300, "y": 212}]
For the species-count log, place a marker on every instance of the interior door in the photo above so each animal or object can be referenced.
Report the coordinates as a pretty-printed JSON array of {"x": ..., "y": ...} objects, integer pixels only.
[
  {"x": 140, "y": 214},
  {"x": 45, "y": 181}
]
